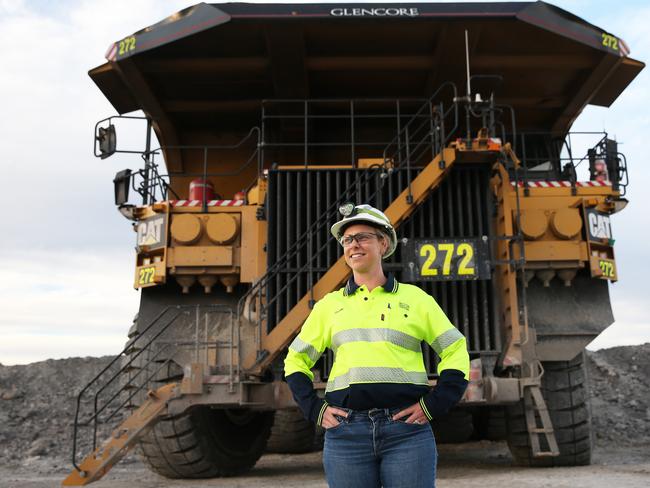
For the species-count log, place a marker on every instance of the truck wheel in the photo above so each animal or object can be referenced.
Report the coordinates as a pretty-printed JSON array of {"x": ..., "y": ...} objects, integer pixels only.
[
  {"x": 490, "y": 423},
  {"x": 564, "y": 387},
  {"x": 206, "y": 443},
  {"x": 454, "y": 427},
  {"x": 291, "y": 433}
]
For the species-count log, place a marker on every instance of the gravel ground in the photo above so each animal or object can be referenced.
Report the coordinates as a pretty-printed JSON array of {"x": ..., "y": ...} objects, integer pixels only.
[
  {"x": 481, "y": 464},
  {"x": 37, "y": 403}
]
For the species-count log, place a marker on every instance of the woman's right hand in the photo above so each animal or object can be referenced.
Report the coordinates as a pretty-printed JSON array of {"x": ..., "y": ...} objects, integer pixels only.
[{"x": 329, "y": 419}]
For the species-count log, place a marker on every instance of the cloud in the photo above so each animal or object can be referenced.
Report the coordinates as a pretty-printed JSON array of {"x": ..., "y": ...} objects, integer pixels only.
[
  {"x": 632, "y": 326},
  {"x": 57, "y": 304}
]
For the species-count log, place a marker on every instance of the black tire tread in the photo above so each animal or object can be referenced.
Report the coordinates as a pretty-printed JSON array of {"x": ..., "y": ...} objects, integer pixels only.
[
  {"x": 291, "y": 433},
  {"x": 565, "y": 392}
]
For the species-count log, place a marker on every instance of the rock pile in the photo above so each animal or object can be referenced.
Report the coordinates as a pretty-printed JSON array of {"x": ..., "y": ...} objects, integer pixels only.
[
  {"x": 37, "y": 407},
  {"x": 37, "y": 402},
  {"x": 620, "y": 393}
]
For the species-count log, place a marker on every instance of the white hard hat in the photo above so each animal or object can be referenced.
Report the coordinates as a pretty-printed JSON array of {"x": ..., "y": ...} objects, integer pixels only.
[{"x": 365, "y": 214}]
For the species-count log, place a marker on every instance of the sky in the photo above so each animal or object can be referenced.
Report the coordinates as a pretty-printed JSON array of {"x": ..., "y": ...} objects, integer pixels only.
[{"x": 66, "y": 254}]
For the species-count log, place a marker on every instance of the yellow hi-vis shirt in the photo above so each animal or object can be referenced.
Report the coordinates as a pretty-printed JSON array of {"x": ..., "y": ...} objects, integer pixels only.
[{"x": 376, "y": 337}]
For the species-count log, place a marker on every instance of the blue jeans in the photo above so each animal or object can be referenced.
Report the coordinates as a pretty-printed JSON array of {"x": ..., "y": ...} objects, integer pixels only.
[{"x": 370, "y": 450}]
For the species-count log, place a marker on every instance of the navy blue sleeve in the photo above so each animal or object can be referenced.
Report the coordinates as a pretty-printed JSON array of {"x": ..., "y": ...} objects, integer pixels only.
[
  {"x": 447, "y": 393},
  {"x": 305, "y": 396}
]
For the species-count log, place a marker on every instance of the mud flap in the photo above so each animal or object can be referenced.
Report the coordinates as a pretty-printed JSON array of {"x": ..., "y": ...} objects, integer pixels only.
[{"x": 567, "y": 318}]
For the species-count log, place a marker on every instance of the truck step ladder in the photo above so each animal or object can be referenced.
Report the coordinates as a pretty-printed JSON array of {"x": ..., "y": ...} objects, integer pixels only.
[
  {"x": 102, "y": 459},
  {"x": 535, "y": 406}
]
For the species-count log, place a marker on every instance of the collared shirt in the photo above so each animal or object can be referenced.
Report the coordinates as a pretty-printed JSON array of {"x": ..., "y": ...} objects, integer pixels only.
[{"x": 376, "y": 337}]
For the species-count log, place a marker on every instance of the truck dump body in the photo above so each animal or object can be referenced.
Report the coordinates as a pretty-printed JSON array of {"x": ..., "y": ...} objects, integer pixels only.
[{"x": 209, "y": 66}]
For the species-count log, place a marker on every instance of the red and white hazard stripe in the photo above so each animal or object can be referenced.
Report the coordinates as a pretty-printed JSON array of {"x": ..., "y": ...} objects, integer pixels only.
[
  {"x": 562, "y": 184},
  {"x": 625, "y": 49},
  {"x": 111, "y": 54},
  {"x": 211, "y": 203}
]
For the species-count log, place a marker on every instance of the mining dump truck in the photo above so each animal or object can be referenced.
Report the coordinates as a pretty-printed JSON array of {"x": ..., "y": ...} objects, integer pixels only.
[{"x": 260, "y": 121}]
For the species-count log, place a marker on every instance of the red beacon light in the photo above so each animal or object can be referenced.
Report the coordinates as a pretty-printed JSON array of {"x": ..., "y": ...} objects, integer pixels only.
[
  {"x": 600, "y": 171},
  {"x": 200, "y": 187}
]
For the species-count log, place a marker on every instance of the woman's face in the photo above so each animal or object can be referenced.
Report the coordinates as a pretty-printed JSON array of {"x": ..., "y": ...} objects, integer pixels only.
[{"x": 366, "y": 256}]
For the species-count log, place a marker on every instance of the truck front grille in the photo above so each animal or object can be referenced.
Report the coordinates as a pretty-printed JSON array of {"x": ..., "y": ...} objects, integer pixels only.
[{"x": 460, "y": 207}]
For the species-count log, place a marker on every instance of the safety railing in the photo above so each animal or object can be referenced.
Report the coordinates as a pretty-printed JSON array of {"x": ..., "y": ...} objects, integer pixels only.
[
  {"x": 254, "y": 305},
  {"x": 153, "y": 186},
  {"x": 546, "y": 156},
  {"x": 148, "y": 358}
]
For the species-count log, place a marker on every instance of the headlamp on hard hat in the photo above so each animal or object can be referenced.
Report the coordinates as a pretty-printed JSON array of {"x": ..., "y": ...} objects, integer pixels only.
[{"x": 347, "y": 209}]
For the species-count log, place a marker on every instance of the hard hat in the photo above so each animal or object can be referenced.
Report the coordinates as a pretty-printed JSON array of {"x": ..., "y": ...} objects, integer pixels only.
[{"x": 365, "y": 214}]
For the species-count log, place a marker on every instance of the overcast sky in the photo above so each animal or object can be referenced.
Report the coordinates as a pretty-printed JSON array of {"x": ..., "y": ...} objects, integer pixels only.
[{"x": 66, "y": 255}]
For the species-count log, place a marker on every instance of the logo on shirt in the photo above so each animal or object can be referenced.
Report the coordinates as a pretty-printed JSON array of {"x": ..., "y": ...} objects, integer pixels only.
[{"x": 404, "y": 306}]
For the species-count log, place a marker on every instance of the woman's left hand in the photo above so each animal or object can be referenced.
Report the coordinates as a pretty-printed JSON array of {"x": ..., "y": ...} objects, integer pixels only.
[{"x": 412, "y": 415}]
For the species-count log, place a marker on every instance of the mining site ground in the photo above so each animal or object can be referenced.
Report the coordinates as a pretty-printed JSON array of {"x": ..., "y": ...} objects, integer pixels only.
[
  {"x": 482, "y": 464},
  {"x": 37, "y": 404}
]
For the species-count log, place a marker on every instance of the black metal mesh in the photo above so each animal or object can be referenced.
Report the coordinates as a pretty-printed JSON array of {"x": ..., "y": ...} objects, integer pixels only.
[{"x": 460, "y": 207}]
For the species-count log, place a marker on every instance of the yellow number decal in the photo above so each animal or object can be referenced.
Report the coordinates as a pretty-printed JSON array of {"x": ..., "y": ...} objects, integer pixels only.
[
  {"x": 430, "y": 251},
  {"x": 610, "y": 41},
  {"x": 146, "y": 275},
  {"x": 467, "y": 252},
  {"x": 126, "y": 45},
  {"x": 607, "y": 268},
  {"x": 449, "y": 252}
]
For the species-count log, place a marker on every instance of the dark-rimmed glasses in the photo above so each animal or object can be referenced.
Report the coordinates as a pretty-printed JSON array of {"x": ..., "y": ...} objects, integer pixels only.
[{"x": 361, "y": 238}]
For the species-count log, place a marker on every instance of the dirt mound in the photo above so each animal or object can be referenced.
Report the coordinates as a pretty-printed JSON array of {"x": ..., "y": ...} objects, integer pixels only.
[
  {"x": 37, "y": 407},
  {"x": 37, "y": 402},
  {"x": 620, "y": 393}
]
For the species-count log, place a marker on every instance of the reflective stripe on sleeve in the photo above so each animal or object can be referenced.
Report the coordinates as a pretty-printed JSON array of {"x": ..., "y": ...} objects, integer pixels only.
[
  {"x": 393, "y": 336},
  {"x": 377, "y": 375},
  {"x": 424, "y": 409},
  {"x": 445, "y": 340},
  {"x": 302, "y": 347}
]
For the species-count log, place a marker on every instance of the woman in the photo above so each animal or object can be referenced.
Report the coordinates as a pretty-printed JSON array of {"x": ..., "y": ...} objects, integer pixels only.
[{"x": 378, "y": 403}]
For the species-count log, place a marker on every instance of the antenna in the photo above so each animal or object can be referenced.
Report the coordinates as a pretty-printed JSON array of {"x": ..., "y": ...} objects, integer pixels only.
[
  {"x": 469, "y": 88},
  {"x": 468, "y": 97}
]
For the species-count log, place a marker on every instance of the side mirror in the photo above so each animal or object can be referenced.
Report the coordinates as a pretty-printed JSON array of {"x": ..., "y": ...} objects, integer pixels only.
[
  {"x": 122, "y": 182},
  {"x": 107, "y": 140}
]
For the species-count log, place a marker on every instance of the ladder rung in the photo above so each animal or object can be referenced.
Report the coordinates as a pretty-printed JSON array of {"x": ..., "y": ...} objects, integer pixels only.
[{"x": 546, "y": 454}]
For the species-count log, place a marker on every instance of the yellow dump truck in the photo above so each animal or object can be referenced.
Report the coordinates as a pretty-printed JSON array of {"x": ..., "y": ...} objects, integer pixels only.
[{"x": 452, "y": 118}]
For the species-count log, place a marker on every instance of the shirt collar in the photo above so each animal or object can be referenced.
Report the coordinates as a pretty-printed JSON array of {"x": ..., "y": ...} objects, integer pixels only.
[{"x": 390, "y": 286}]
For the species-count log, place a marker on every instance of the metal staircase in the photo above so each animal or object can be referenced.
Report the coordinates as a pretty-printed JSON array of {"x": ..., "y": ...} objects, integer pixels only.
[
  {"x": 421, "y": 142},
  {"x": 136, "y": 387}
]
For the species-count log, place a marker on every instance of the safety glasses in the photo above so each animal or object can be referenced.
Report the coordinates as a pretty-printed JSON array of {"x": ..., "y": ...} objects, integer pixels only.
[{"x": 361, "y": 238}]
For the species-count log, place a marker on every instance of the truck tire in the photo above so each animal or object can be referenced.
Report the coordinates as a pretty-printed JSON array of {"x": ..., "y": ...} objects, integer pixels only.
[
  {"x": 454, "y": 427},
  {"x": 490, "y": 423},
  {"x": 291, "y": 433},
  {"x": 201, "y": 442},
  {"x": 564, "y": 387},
  {"x": 206, "y": 443}
]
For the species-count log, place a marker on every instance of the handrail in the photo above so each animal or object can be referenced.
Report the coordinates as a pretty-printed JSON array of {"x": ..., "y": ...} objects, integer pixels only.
[
  {"x": 437, "y": 145},
  {"x": 109, "y": 366},
  {"x": 146, "y": 339}
]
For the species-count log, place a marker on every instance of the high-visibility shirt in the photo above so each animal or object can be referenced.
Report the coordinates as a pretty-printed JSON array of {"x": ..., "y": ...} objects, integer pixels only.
[{"x": 376, "y": 337}]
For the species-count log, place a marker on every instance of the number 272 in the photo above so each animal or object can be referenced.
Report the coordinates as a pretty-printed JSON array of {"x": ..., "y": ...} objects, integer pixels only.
[
  {"x": 126, "y": 45},
  {"x": 462, "y": 250}
]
